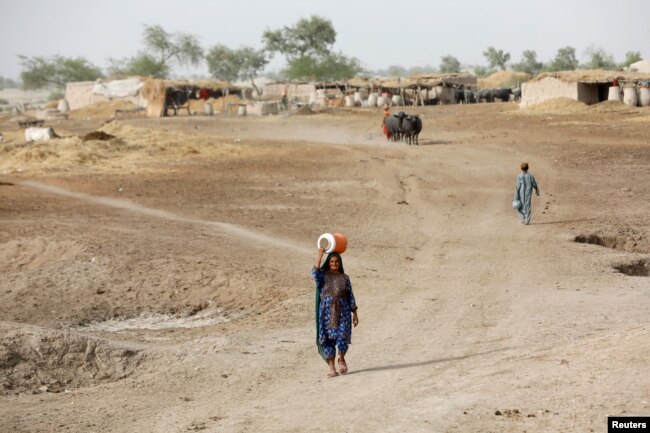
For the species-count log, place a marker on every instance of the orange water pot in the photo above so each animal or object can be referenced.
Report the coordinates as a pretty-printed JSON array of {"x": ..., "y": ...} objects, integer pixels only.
[{"x": 333, "y": 242}]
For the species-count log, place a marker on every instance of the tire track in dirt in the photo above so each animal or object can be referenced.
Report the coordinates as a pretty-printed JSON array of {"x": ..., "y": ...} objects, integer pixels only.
[{"x": 230, "y": 229}]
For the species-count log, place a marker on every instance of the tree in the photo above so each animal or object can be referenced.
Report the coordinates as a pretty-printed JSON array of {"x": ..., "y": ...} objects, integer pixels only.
[
  {"x": 496, "y": 58},
  {"x": 143, "y": 65},
  {"x": 480, "y": 70},
  {"x": 8, "y": 83},
  {"x": 228, "y": 64},
  {"x": 449, "y": 64},
  {"x": 394, "y": 71},
  {"x": 181, "y": 48},
  {"x": 39, "y": 72},
  {"x": 314, "y": 36},
  {"x": 307, "y": 46},
  {"x": 223, "y": 63},
  {"x": 565, "y": 60},
  {"x": 330, "y": 67},
  {"x": 163, "y": 50},
  {"x": 253, "y": 62},
  {"x": 599, "y": 59},
  {"x": 631, "y": 57},
  {"x": 529, "y": 63}
]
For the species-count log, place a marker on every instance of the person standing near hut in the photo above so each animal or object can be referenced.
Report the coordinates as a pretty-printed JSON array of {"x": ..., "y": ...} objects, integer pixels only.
[
  {"x": 336, "y": 310},
  {"x": 524, "y": 193},
  {"x": 284, "y": 101}
]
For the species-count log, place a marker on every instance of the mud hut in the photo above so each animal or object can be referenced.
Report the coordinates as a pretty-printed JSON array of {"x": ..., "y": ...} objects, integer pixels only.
[{"x": 588, "y": 86}]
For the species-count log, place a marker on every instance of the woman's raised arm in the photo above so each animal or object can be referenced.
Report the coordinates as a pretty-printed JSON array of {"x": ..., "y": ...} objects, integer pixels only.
[{"x": 319, "y": 257}]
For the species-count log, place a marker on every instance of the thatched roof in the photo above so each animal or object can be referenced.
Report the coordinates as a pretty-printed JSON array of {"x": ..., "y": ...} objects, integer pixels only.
[
  {"x": 593, "y": 76},
  {"x": 412, "y": 82},
  {"x": 204, "y": 84}
]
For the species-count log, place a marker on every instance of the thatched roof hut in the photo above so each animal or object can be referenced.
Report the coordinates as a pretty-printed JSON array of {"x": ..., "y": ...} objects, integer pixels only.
[{"x": 154, "y": 91}]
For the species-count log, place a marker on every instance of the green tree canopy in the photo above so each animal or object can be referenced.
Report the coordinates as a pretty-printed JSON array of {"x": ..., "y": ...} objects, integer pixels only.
[
  {"x": 449, "y": 64},
  {"x": 227, "y": 64},
  {"x": 314, "y": 36},
  {"x": 631, "y": 57},
  {"x": 565, "y": 60},
  {"x": 394, "y": 71},
  {"x": 182, "y": 48},
  {"x": 599, "y": 59},
  {"x": 143, "y": 65},
  {"x": 39, "y": 72},
  {"x": 307, "y": 46},
  {"x": 224, "y": 63},
  {"x": 330, "y": 67},
  {"x": 162, "y": 51},
  {"x": 8, "y": 83},
  {"x": 529, "y": 63},
  {"x": 496, "y": 58}
]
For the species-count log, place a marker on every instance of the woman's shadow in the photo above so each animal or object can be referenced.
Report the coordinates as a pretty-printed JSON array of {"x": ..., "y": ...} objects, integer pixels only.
[{"x": 422, "y": 363}]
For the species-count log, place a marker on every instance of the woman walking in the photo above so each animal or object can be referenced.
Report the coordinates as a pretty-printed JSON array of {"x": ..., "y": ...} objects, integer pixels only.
[{"x": 336, "y": 310}]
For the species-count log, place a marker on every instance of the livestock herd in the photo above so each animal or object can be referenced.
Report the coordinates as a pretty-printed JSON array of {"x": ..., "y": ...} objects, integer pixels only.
[
  {"x": 405, "y": 127},
  {"x": 468, "y": 96},
  {"x": 402, "y": 126}
]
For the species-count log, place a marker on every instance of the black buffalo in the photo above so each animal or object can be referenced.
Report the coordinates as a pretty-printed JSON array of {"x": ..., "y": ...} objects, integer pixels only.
[
  {"x": 502, "y": 94},
  {"x": 177, "y": 99},
  {"x": 459, "y": 96},
  {"x": 485, "y": 94},
  {"x": 469, "y": 96},
  {"x": 394, "y": 125},
  {"x": 411, "y": 128}
]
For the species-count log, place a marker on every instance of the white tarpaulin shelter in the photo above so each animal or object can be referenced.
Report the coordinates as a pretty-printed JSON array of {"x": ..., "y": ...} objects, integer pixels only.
[{"x": 118, "y": 88}]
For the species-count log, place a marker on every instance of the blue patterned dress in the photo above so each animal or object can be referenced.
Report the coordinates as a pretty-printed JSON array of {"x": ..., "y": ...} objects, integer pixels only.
[{"x": 336, "y": 303}]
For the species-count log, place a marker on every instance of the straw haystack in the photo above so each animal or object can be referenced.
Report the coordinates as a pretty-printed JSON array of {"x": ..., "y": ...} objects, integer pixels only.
[{"x": 504, "y": 79}]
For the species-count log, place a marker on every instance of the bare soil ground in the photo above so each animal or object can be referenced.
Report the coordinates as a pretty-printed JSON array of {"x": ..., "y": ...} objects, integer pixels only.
[{"x": 158, "y": 281}]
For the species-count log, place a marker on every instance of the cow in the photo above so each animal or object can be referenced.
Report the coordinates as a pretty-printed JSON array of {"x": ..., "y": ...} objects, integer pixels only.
[
  {"x": 177, "y": 99},
  {"x": 411, "y": 128},
  {"x": 40, "y": 134},
  {"x": 517, "y": 94}
]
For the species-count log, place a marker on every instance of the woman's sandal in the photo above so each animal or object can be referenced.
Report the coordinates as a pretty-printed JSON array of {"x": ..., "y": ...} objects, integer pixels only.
[{"x": 343, "y": 367}]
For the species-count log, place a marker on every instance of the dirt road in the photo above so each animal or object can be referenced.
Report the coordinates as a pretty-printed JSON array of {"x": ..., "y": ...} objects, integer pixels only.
[{"x": 159, "y": 282}]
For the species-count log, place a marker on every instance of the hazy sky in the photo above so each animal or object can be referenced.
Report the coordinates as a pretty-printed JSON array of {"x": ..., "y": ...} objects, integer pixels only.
[{"x": 379, "y": 33}]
